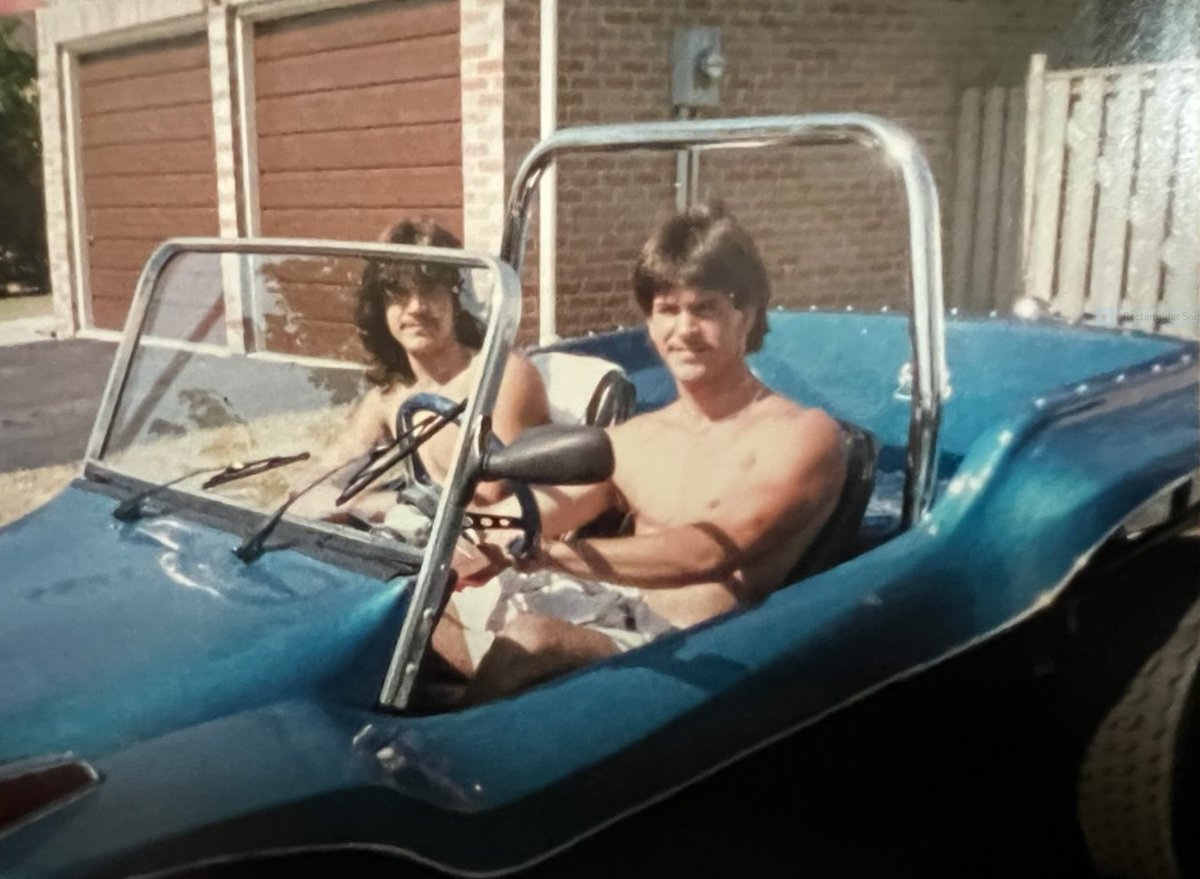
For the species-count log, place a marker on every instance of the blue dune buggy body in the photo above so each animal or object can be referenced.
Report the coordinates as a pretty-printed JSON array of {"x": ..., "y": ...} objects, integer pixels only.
[
  {"x": 226, "y": 709},
  {"x": 247, "y": 723}
]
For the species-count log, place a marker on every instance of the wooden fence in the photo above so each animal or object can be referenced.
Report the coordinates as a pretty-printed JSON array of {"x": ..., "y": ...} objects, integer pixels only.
[
  {"x": 985, "y": 216},
  {"x": 1112, "y": 194}
]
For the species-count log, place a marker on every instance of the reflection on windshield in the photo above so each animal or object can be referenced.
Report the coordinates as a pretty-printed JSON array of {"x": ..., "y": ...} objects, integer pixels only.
[
  {"x": 191, "y": 401},
  {"x": 308, "y": 306}
]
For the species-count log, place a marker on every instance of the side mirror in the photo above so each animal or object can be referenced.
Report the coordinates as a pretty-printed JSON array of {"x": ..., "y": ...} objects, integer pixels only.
[{"x": 552, "y": 454}]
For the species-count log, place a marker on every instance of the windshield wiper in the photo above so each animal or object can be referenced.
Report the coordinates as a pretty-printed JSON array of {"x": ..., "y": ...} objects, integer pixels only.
[
  {"x": 374, "y": 466},
  {"x": 133, "y": 508},
  {"x": 252, "y": 547},
  {"x": 239, "y": 470}
]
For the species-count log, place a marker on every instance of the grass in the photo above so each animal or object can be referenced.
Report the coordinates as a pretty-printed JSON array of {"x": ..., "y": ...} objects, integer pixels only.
[
  {"x": 22, "y": 491},
  {"x": 14, "y": 307}
]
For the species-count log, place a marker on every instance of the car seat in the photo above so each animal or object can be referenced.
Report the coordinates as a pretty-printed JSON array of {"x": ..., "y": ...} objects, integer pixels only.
[
  {"x": 838, "y": 539},
  {"x": 584, "y": 389}
]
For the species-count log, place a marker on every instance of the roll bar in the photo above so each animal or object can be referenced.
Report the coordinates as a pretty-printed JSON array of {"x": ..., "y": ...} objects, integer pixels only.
[{"x": 926, "y": 322}]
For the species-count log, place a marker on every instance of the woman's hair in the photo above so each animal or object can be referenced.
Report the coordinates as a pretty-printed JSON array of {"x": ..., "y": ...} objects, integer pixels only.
[
  {"x": 705, "y": 249},
  {"x": 388, "y": 279}
]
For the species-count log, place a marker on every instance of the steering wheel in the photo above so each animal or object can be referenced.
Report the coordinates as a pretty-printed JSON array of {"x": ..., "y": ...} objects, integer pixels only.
[{"x": 410, "y": 437}]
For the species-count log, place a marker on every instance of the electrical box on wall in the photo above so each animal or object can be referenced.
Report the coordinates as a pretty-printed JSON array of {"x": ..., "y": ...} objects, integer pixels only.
[{"x": 697, "y": 67}]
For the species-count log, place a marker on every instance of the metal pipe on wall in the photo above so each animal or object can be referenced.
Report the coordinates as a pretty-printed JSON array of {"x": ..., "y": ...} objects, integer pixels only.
[
  {"x": 687, "y": 170},
  {"x": 548, "y": 192}
]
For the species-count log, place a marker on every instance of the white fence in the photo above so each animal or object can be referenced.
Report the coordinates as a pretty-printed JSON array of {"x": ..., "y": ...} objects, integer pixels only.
[{"x": 1112, "y": 194}]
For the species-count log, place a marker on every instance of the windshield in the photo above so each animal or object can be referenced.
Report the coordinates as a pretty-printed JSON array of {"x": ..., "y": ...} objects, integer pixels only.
[
  {"x": 251, "y": 349},
  {"x": 203, "y": 391}
]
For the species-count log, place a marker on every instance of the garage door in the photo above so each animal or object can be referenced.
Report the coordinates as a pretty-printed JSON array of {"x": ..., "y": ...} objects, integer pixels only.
[
  {"x": 358, "y": 121},
  {"x": 358, "y": 118},
  {"x": 148, "y": 163}
]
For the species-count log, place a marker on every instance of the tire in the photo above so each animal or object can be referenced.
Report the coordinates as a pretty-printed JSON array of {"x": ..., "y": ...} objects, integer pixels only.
[{"x": 1138, "y": 785}]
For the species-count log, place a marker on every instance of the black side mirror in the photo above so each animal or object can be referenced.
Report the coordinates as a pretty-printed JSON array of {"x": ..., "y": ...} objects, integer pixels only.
[{"x": 552, "y": 454}]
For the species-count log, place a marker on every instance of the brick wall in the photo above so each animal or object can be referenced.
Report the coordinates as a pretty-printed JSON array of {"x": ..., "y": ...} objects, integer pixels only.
[
  {"x": 1151, "y": 31},
  {"x": 521, "y": 126},
  {"x": 829, "y": 220},
  {"x": 482, "y": 71}
]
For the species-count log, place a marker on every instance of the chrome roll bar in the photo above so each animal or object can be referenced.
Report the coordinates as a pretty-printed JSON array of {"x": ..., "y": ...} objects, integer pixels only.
[{"x": 926, "y": 323}]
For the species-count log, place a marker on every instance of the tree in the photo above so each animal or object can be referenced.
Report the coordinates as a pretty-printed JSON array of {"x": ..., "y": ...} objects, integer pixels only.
[{"x": 22, "y": 209}]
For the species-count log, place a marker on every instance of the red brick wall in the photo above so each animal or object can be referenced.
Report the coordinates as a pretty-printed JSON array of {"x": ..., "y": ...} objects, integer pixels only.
[{"x": 829, "y": 220}]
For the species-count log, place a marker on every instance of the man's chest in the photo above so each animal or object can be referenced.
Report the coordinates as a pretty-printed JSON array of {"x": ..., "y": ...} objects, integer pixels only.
[{"x": 672, "y": 478}]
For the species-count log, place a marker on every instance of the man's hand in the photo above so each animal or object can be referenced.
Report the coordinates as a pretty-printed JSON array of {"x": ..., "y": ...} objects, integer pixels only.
[
  {"x": 540, "y": 559},
  {"x": 476, "y": 562}
]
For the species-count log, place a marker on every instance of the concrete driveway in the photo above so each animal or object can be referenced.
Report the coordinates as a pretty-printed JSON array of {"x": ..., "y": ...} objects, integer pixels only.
[{"x": 49, "y": 393}]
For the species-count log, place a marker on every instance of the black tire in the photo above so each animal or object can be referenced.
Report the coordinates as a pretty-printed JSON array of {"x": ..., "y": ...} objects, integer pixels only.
[{"x": 1138, "y": 784}]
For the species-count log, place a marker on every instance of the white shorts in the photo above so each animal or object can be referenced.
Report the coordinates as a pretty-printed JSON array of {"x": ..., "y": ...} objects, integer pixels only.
[{"x": 620, "y": 613}]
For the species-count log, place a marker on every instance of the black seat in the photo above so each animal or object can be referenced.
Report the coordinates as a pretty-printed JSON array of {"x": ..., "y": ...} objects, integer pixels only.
[
  {"x": 612, "y": 401},
  {"x": 837, "y": 540}
]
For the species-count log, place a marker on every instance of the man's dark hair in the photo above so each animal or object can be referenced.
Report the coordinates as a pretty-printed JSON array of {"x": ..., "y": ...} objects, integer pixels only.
[
  {"x": 384, "y": 280},
  {"x": 705, "y": 249}
]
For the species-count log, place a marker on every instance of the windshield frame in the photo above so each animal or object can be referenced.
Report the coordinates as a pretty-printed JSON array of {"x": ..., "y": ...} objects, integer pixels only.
[
  {"x": 325, "y": 541},
  {"x": 156, "y": 264}
]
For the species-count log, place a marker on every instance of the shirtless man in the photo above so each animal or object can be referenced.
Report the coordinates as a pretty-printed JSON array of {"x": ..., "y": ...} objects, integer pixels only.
[
  {"x": 726, "y": 487},
  {"x": 420, "y": 337}
]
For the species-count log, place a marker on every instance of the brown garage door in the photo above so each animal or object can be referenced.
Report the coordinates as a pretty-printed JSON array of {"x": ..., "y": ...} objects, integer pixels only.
[
  {"x": 358, "y": 117},
  {"x": 148, "y": 163}
]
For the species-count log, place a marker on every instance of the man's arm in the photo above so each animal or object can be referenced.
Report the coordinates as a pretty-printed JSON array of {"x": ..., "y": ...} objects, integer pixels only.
[
  {"x": 364, "y": 428},
  {"x": 561, "y": 509},
  {"x": 521, "y": 403},
  {"x": 786, "y": 497},
  {"x": 522, "y": 400}
]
